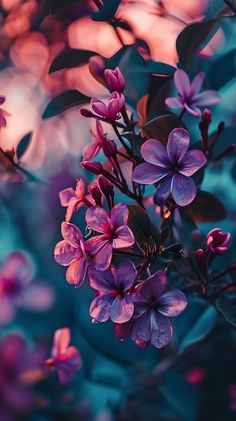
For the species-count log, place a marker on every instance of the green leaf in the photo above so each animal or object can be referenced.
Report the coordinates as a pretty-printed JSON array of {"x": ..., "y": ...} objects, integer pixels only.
[
  {"x": 200, "y": 328},
  {"x": 206, "y": 207},
  {"x": 226, "y": 304},
  {"x": 70, "y": 57},
  {"x": 63, "y": 102},
  {"x": 160, "y": 127},
  {"x": 141, "y": 225},
  {"x": 151, "y": 66},
  {"x": 23, "y": 145},
  {"x": 106, "y": 11}
]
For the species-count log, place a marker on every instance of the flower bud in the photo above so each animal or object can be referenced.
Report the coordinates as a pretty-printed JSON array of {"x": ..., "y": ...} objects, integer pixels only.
[
  {"x": 115, "y": 80},
  {"x": 105, "y": 185},
  {"x": 200, "y": 257},
  {"x": 109, "y": 148},
  {"x": 217, "y": 241},
  {"x": 86, "y": 113},
  {"x": 95, "y": 193},
  {"x": 93, "y": 167},
  {"x": 206, "y": 117}
]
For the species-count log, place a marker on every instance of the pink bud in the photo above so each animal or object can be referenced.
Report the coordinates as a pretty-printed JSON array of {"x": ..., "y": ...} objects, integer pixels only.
[
  {"x": 200, "y": 257},
  {"x": 206, "y": 117},
  {"x": 217, "y": 241},
  {"x": 105, "y": 185},
  {"x": 115, "y": 80},
  {"x": 86, "y": 113},
  {"x": 93, "y": 167},
  {"x": 109, "y": 148}
]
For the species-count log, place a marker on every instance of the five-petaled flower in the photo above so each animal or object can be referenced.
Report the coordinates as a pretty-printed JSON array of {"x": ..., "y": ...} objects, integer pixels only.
[
  {"x": 71, "y": 252},
  {"x": 171, "y": 167},
  {"x": 189, "y": 97},
  {"x": 217, "y": 241},
  {"x": 74, "y": 199},
  {"x": 99, "y": 142},
  {"x": 153, "y": 306},
  {"x": 66, "y": 359},
  {"x": 113, "y": 232},
  {"x": 114, "y": 300}
]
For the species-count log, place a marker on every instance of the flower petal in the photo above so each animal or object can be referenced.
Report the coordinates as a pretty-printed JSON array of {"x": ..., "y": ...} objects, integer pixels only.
[
  {"x": 197, "y": 83},
  {"x": 153, "y": 287},
  {"x": 119, "y": 215},
  {"x": 64, "y": 253},
  {"x": 76, "y": 272},
  {"x": 103, "y": 258},
  {"x": 191, "y": 162},
  {"x": 177, "y": 145},
  {"x": 206, "y": 98},
  {"x": 174, "y": 102},
  {"x": 163, "y": 189},
  {"x": 161, "y": 330},
  {"x": 99, "y": 107},
  {"x": 142, "y": 328},
  {"x": 71, "y": 233},
  {"x": 155, "y": 153},
  {"x": 122, "y": 309},
  {"x": 192, "y": 109},
  {"x": 91, "y": 150},
  {"x": 80, "y": 188},
  {"x": 172, "y": 303},
  {"x": 182, "y": 83},
  {"x": 101, "y": 281},
  {"x": 183, "y": 189},
  {"x": 125, "y": 275},
  {"x": 123, "y": 237},
  {"x": 100, "y": 307},
  {"x": 66, "y": 195},
  {"x": 61, "y": 341},
  {"x": 73, "y": 206},
  {"x": 97, "y": 219},
  {"x": 94, "y": 244},
  {"x": 148, "y": 173}
]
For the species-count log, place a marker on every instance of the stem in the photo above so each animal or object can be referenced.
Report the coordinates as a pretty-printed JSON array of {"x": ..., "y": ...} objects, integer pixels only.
[
  {"x": 181, "y": 114},
  {"x": 120, "y": 138},
  {"x": 228, "y": 286},
  {"x": 225, "y": 272}
]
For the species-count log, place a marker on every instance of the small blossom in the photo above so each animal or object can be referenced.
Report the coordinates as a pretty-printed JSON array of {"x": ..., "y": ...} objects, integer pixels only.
[
  {"x": 217, "y": 241},
  {"x": 109, "y": 111},
  {"x": 113, "y": 233},
  {"x": 189, "y": 97},
  {"x": 115, "y": 80},
  {"x": 99, "y": 142},
  {"x": 153, "y": 306},
  {"x": 74, "y": 199},
  {"x": 66, "y": 359},
  {"x": 71, "y": 252},
  {"x": 3, "y": 113},
  {"x": 114, "y": 300},
  {"x": 171, "y": 167}
]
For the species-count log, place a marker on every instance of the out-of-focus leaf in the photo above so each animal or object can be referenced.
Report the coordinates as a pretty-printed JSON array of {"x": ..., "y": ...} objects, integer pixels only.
[
  {"x": 158, "y": 91},
  {"x": 23, "y": 145},
  {"x": 180, "y": 396},
  {"x": 193, "y": 38},
  {"x": 222, "y": 70},
  {"x": 49, "y": 7},
  {"x": 200, "y": 328},
  {"x": 106, "y": 11},
  {"x": 151, "y": 66},
  {"x": 63, "y": 102},
  {"x": 140, "y": 224},
  {"x": 206, "y": 207},
  {"x": 160, "y": 127},
  {"x": 70, "y": 57},
  {"x": 226, "y": 304}
]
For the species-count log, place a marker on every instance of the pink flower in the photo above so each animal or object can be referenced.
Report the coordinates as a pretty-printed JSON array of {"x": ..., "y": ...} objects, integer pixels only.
[
  {"x": 115, "y": 80},
  {"x": 71, "y": 252},
  {"x": 99, "y": 142},
  {"x": 66, "y": 359},
  {"x": 113, "y": 233},
  {"x": 217, "y": 242},
  {"x": 74, "y": 199},
  {"x": 3, "y": 113},
  {"x": 109, "y": 111}
]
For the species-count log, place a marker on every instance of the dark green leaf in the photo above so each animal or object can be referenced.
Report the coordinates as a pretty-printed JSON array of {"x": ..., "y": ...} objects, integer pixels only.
[
  {"x": 141, "y": 225},
  {"x": 63, "y": 102},
  {"x": 23, "y": 145},
  {"x": 106, "y": 11},
  {"x": 226, "y": 304},
  {"x": 206, "y": 207},
  {"x": 160, "y": 127},
  {"x": 200, "y": 327},
  {"x": 69, "y": 58},
  {"x": 151, "y": 66}
]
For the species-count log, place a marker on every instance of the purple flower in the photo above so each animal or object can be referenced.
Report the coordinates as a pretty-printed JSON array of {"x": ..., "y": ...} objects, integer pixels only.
[
  {"x": 217, "y": 241},
  {"x": 74, "y": 199},
  {"x": 66, "y": 359},
  {"x": 115, "y": 80},
  {"x": 71, "y": 252},
  {"x": 171, "y": 167},
  {"x": 99, "y": 142},
  {"x": 189, "y": 97},
  {"x": 113, "y": 233},
  {"x": 114, "y": 300},
  {"x": 109, "y": 111},
  {"x": 153, "y": 306}
]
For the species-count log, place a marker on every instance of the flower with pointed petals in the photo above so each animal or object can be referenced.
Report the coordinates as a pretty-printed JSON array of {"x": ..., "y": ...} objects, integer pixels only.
[
  {"x": 189, "y": 97},
  {"x": 112, "y": 230},
  {"x": 74, "y": 199},
  {"x": 153, "y": 306},
  {"x": 71, "y": 252},
  {"x": 99, "y": 142},
  {"x": 217, "y": 241},
  {"x": 171, "y": 167},
  {"x": 66, "y": 359},
  {"x": 109, "y": 111},
  {"x": 114, "y": 300},
  {"x": 115, "y": 80}
]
